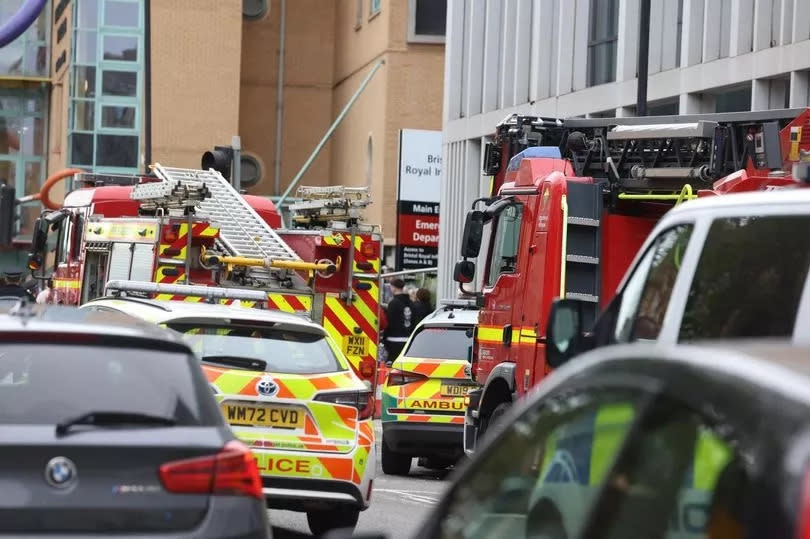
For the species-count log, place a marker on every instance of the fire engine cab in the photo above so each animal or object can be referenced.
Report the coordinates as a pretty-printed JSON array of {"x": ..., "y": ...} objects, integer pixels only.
[
  {"x": 186, "y": 234},
  {"x": 572, "y": 202}
]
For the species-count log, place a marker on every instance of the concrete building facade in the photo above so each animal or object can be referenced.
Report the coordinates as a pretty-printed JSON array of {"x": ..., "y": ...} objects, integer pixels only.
[
  {"x": 564, "y": 58},
  {"x": 111, "y": 86}
]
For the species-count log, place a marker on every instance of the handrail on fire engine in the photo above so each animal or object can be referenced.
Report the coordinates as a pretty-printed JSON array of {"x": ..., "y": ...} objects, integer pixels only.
[
  {"x": 685, "y": 194},
  {"x": 563, "y": 257},
  {"x": 325, "y": 266},
  {"x": 207, "y": 292}
]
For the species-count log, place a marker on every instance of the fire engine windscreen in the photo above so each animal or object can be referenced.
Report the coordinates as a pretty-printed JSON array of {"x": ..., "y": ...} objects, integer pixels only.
[
  {"x": 252, "y": 348},
  {"x": 441, "y": 343}
]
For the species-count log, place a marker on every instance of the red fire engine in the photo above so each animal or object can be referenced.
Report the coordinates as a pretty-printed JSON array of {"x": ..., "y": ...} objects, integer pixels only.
[
  {"x": 573, "y": 200},
  {"x": 187, "y": 234}
]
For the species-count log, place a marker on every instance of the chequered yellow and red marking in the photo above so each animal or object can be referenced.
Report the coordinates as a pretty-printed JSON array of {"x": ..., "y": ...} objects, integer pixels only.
[
  {"x": 333, "y": 443},
  {"x": 289, "y": 303},
  {"x": 176, "y": 250},
  {"x": 425, "y": 396}
]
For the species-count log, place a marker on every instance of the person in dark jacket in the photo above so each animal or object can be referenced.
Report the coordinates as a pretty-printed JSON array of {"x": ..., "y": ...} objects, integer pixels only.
[
  {"x": 10, "y": 286},
  {"x": 400, "y": 320},
  {"x": 422, "y": 306}
]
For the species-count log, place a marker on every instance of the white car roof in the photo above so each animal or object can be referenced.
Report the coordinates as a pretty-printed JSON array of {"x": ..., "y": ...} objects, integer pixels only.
[
  {"x": 745, "y": 202},
  {"x": 163, "y": 311},
  {"x": 445, "y": 316}
]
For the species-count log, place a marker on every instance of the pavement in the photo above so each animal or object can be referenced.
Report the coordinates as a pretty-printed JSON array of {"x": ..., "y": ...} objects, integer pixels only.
[{"x": 399, "y": 505}]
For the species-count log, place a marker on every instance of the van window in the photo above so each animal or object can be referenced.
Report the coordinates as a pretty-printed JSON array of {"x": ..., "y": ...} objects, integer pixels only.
[
  {"x": 645, "y": 297},
  {"x": 504, "y": 252},
  {"x": 441, "y": 343},
  {"x": 749, "y": 280}
]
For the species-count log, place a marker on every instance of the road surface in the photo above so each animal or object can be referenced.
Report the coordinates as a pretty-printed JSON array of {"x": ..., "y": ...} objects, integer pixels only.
[{"x": 399, "y": 505}]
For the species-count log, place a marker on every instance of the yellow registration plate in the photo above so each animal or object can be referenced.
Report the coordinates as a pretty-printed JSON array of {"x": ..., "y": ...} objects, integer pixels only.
[
  {"x": 455, "y": 390},
  {"x": 264, "y": 416},
  {"x": 355, "y": 345}
]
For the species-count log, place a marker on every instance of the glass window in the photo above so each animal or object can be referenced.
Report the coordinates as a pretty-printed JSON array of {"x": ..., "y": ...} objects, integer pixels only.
[
  {"x": 603, "y": 39},
  {"x": 81, "y": 149},
  {"x": 91, "y": 378},
  {"x": 124, "y": 14},
  {"x": 505, "y": 248},
  {"x": 375, "y": 6},
  {"x": 27, "y": 55},
  {"x": 733, "y": 100},
  {"x": 85, "y": 81},
  {"x": 118, "y": 117},
  {"x": 678, "y": 477},
  {"x": 121, "y": 48},
  {"x": 86, "y": 47},
  {"x": 117, "y": 151},
  {"x": 427, "y": 20},
  {"x": 83, "y": 112},
  {"x": 120, "y": 83},
  {"x": 749, "y": 279},
  {"x": 645, "y": 297},
  {"x": 441, "y": 343},
  {"x": 87, "y": 14},
  {"x": 254, "y": 347},
  {"x": 546, "y": 470}
]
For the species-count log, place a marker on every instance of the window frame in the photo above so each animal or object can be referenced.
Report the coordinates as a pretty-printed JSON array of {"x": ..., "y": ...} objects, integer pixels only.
[
  {"x": 100, "y": 100},
  {"x": 413, "y": 37},
  {"x": 593, "y": 43},
  {"x": 374, "y": 8}
]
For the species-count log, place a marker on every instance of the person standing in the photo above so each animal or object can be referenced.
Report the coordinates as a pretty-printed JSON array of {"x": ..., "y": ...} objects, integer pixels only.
[
  {"x": 422, "y": 306},
  {"x": 400, "y": 320},
  {"x": 10, "y": 286}
]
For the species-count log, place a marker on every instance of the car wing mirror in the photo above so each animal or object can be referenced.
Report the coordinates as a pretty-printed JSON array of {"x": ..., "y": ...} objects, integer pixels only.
[{"x": 563, "y": 330}]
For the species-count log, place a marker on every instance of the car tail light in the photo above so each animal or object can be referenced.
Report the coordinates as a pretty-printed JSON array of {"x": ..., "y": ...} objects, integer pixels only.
[
  {"x": 397, "y": 377},
  {"x": 231, "y": 471},
  {"x": 362, "y": 400}
]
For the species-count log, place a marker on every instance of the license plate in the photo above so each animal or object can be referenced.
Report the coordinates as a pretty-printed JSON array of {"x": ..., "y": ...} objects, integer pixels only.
[
  {"x": 264, "y": 416},
  {"x": 455, "y": 390},
  {"x": 355, "y": 345}
]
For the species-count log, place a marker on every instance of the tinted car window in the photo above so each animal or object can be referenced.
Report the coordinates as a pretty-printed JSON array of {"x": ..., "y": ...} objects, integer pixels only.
[
  {"x": 546, "y": 470},
  {"x": 47, "y": 384},
  {"x": 282, "y": 351},
  {"x": 441, "y": 343},
  {"x": 749, "y": 279}
]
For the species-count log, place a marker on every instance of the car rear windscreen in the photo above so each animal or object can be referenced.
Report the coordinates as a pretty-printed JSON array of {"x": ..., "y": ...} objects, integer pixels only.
[
  {"x": 749, "y": 279},
  {"x": 282, "y": 351},
  {"x": 441, "y": 343},
  {"x": 51, "y": 383}
]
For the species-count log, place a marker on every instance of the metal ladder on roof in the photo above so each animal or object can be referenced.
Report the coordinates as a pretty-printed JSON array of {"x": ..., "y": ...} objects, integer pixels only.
[{"x": 241, "y": 230}]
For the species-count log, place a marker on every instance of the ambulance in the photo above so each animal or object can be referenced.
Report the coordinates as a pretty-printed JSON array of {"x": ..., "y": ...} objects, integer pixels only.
[{"x": 423, "y": 400}]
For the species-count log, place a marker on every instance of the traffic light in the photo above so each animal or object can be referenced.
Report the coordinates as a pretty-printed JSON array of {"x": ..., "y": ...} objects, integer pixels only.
[
  {"x": 7, "y": 214},
  {"x": 220, "y": 159}
]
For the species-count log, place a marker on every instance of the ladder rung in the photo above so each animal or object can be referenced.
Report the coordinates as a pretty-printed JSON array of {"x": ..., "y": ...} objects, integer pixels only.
[
  {"x": 583, "y": 221},
  {"x": 582, "y": 297},
  {"x": 582, "y": 259}
]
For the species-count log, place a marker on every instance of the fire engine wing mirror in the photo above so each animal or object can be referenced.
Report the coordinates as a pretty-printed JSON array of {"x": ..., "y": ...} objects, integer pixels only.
[
  {"x": 563, "y": 330},
  {"x": 464, "y": 272},
  {"x": 39, "y": 237},
  {"x": 473, "y": 233}
]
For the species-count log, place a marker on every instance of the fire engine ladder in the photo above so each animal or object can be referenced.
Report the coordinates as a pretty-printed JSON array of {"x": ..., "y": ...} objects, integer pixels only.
[
  {"x": 581, "y": 272},
  {"x": 242, "y": 231}
]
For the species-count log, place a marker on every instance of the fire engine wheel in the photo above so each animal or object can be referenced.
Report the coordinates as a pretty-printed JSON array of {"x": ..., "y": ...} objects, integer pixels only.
[
  {"x": 394, "y": 463},
  {"x": 322, "y": 521},
  {"x": 497, "y": 414}
]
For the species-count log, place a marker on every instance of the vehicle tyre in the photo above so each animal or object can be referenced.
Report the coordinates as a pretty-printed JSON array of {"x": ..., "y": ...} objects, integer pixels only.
[
  {"x": 322, "y": 521},
  {"x": 497, "y": 414},
  {"x": 394, "y": 463}
]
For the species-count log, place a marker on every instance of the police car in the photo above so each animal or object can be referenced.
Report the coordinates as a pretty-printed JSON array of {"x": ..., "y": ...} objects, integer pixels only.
[
  {"x": 288, "y": 393},
  {"x": 683, "y": 442},
  {"x": 423, "y": 396}
]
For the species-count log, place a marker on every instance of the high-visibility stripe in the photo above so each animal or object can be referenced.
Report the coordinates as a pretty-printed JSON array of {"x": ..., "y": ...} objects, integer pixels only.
[
  {"x": 610, "y": 429},
  {"x": 66, "y": 283},
  {"x": 711, "y": 456}
]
